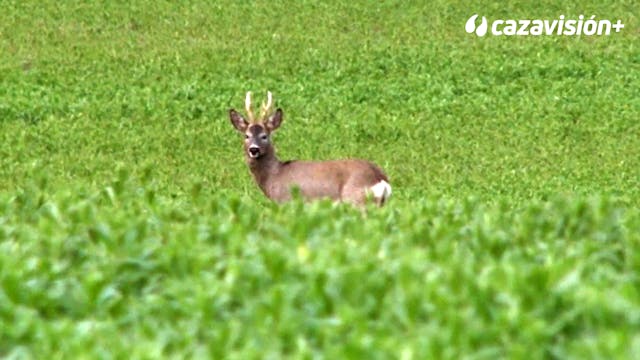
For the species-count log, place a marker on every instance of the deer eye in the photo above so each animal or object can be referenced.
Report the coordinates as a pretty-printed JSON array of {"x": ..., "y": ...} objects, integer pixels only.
[
  {"x": 246, "y": 136},
  {"x": 263, "y": 137}
]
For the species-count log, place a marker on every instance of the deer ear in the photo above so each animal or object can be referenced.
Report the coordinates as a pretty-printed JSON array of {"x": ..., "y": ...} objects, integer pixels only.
[
  {"x": 274, "y": 120},
  {"x": 238, "y": 121}
]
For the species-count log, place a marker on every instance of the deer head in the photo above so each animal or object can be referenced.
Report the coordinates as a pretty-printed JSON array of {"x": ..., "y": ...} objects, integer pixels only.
[{"x": 257, "y": 132}]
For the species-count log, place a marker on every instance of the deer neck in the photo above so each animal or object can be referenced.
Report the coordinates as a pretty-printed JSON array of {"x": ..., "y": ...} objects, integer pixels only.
[{"x": 264, "y": 167}]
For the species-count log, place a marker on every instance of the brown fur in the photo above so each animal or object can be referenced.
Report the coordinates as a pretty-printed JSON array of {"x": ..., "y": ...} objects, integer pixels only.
[{"x": 339, "y": 180}]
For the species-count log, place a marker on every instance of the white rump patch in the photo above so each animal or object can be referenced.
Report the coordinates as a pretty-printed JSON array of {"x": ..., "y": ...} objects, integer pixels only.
[{"x": 381, "y": 190}]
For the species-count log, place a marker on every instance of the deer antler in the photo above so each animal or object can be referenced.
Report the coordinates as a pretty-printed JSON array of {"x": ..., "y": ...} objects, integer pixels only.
[
  {"x": 247, "y": 106},
  {"x": 266, "y": 108}
]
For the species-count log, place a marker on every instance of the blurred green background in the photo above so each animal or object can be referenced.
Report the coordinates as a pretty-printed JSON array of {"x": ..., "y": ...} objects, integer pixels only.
[{"x": 130, "y": 226}]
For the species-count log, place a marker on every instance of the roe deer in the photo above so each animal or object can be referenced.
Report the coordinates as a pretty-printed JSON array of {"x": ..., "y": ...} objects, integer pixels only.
[{"x": 350, "y": 181}]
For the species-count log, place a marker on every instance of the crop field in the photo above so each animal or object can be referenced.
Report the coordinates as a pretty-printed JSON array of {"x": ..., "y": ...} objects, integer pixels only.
[{"x": 130, "y": 226}]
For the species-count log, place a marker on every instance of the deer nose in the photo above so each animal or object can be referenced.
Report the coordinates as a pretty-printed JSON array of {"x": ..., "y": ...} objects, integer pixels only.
[{"x": 254, "y": 151}]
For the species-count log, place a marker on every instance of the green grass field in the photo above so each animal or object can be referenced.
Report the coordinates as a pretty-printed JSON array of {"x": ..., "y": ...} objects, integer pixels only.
[{"x": 131, "y": 228}]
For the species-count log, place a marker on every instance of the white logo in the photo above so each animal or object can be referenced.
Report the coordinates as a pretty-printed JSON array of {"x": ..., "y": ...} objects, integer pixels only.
[
  {"x": 537, "y": 27},
  {"x": 471, "y": 25}
]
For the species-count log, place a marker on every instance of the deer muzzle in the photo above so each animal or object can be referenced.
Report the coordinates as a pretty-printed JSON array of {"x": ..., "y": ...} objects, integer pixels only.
[{"x": 254, "y": 151}]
